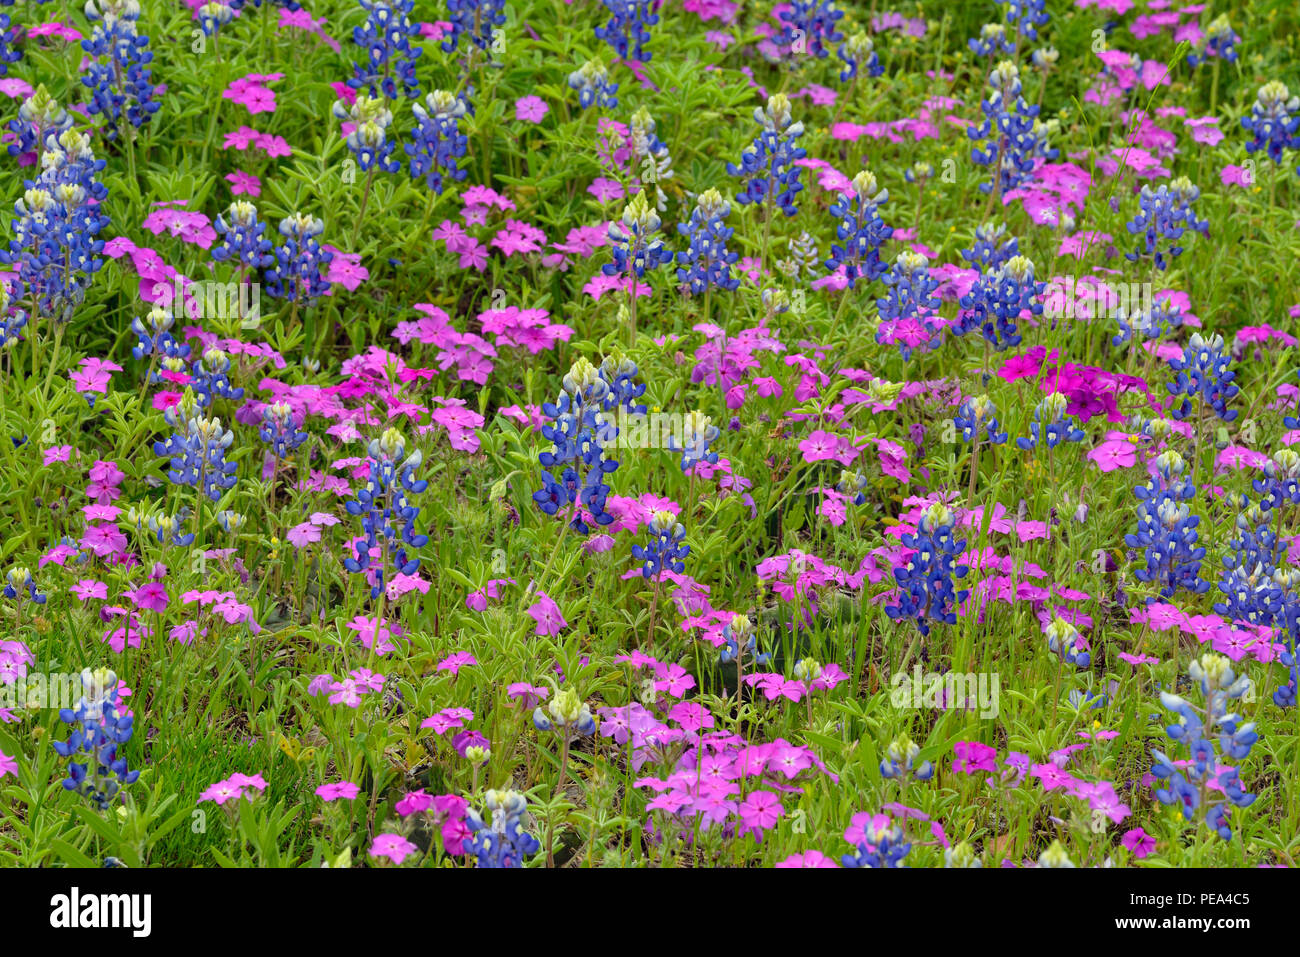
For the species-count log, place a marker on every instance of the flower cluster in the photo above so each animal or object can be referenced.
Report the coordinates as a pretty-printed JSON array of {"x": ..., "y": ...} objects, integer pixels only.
[
  {"x": 592, "y": 82},
  {"x": 1273, "y": 121},
  {"x": 386, "y": 37},
  {"x": 808, "y": 27},
  {"x": 387, "y": 515},
  {"x": 769, "y": 167},
  {"x": 122, "y": 82},
  {"x": 1167, "y": 530},
  {"x": 1192, "y": 784},
  {"x": 1164, "y": 214},
  {"x": 706, "y": 261},
  {"x": 926, "y": 583},
  {"x": 368, "y": 139},
  {"x": 1203, "y": 373},
  {"x": 860, "y": 229},
  {"x": 501, "y": 842},
  {"x": 98, "y": 731},
  {"x": 437, "y": 142},
  {"x": 197, "y": 449},
  {"x": 666, "y": 549},
  {"x": 626, "y": 30},
  {"x": 301, "y": 264},
  {"x": 1051, "y": 425},
  {"x": 997, "y": 301}
]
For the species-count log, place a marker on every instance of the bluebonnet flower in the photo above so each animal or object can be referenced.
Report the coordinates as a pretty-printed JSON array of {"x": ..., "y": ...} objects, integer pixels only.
[
  {"x": 991, "y": 41},
  {"x": 860, "y": 228},
  {"x": 280, "y": 430},
  {"x": 1045, "y": 58},
  {"x": 1280, "y": 485},
  {"x": 909, "y": 295},
  {"x": 386, "y": 36},
  {"x": 976, "y": 420},
  {"x": 565, "y": 714},
  {"x": 8, "y": 38},
  {"x": 919, "y": 172},
  {"x": 1055, "y": 856},
  {"x": 706, "y": 261},
  {"x": 900, "y": 761},
  {"x": 808, "y": 26},
  {"x": 592, "y": 82},
  {"x": 667, "y": 546},
  {"x": 242, "y": 239},
  {"x": 853, "y": 484},
  {"x": 698, "y": 433},
  {"x": 437, "y": 142},
  {"x": 197, "y": 448},
  {"x": 56, "y": 244},
  {"x": 123, "y": 81},
  {"x": 1167, "y": 531},
  {"x": 1251, "y": 583},
  {"x": 387, "y": 515},
  {"x": 883, "y": 845},
  {"x": 170, "y": 529},
  {"x": 1051, "y": 426},
  {"x": 98, "y": 730},
  {"x": 19, "y": 579},
  {"x": 648, "y": 155},
  {"x": 632, "y": 240},
  {"x": 39, "y": 116},
  {"x": 997, "y": 299},
  {"x": 626, "y": 30},
  {"x": 153, "y": 333},
  {"x": 992, "y": 248},
  {"x": 926, "y": 583},
  {"x": 1014, "y": 136},
  {"x": 213, "y": 16},
  {"x": 1064, "y": 641},
  {"x": 1273, "y": 120},
  {"x": 503, "y": 842},
  {"x": 300, "y": 265},
  {"x": 1203, "y": 372},
  {"x": 1165, "y": 213},
  {"x": 1161, "y": 319},
  {"x": 12, "y": 319},
  {"x": 1220, "y": 41},
  {"x": 740, "y": 643},
  {"x": 768, "y": 166},
  {"x": 1198, "y": 729},
  {"x": 1027, "y": 15},
  {"x": 369, "y": 141},
  {"x": 581, "y": 434},
  {"x": 211, "y": 378},
  {"x": 476, "y": 20},
  {"x": 858, "y": 52}
]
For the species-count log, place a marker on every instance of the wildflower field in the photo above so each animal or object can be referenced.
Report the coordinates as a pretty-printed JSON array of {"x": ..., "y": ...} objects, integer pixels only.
[{"x": 649, "y": 433}]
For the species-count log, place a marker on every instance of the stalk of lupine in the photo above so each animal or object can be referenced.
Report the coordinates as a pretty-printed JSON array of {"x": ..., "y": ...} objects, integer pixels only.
[
  {"x": 368, "y": 140},
  {"x": 740, "y": 643},
  {"x": 926, "y": 583},
  {"x": 387, "y": 515},
  {"x": 1220, "y": 43},
  {"x": 386, "y": 35},
  {"x": 1273, "y": 121},
  {"x": 995, "y": 302},
  {"x": 648, "y": 156},
  {"x": 883, "y": 844},
  {"x": 1194, "y": 786},
  {"x": 976, "y": 420},
  {"x": 592, "y": 82},
  {"x": 991, "y": 41},
  {"x": 211, "y": 378},
  {"x": 197, "y": 449},
  {"x": 1203, "y": 373},
  {"x": 698, "y": 433},
  {"x": 56, "y": 244},
  {"x": 667, "y": 546},
  {"x": 280, "y": 430},
  {"x": 1027, "y": 15},
  {"x": 9, "y": 51},
  {"x": 214, "y": 15},
  {"x": 19, "y": 579},
  {"x": 1167, "y": 530},
  {"x": 503, "y": 842},
  {"x": 565, "y": 714},
  {"x": 1163, "y": 216},
  {"x": 98, "y": 730},
  {"x": 437, "y": 142},
  {"x": 122, "y": 83},
  {"x": 1051, "y": 425},
  {"x": 475, "y": 21},
  {"x": 909, "y": 301},
  {"x": 900, "y": 761},
  {"x": 39, "y": 116},
  {"x": 580, "y": 436},
  {"x": 632, "y": 240},
  {"x": 768, "y": 168},
  {"x": 243, "y": 241},
  {"x": 300, "y": 265},
  {"x": 808, "y": 27},
  {"x": 12, "y": 319},
  {"x": 706, "y": 261},
  {"x": 992, "y": 248},
  {"x": 860, "y": 229},
  {"x": 858, "y": 53},
  {"x": 1065, "y": 641},
  {"x": 626, "y": 29},
  {"x": 1012, "y": 139}
]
